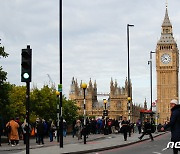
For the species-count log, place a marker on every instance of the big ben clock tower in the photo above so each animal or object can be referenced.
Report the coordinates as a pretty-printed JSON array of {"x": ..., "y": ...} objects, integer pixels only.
[{"x": 167, "y": 68}]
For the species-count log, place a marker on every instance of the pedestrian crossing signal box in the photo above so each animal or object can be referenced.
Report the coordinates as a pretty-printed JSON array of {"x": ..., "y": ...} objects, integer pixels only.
[{"x": 105, "y": 112}]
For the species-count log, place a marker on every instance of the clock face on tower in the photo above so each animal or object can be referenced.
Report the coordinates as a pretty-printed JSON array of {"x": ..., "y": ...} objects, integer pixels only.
[{"x": 165, "y": 58}]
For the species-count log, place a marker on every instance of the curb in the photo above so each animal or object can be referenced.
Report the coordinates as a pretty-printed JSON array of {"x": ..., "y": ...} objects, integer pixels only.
[
  {"x": 113, "y": 147},
  {"x": 43, "y": 146}
]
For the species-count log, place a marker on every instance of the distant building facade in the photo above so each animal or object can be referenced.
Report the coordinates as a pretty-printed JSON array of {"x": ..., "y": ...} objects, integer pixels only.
[
  {"x": 116, "y": 104},
  {"x": 167, "y": 68}
]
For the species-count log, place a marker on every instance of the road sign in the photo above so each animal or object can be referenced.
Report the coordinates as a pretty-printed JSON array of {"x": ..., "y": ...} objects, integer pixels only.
[{"x": 60, "y": 87}]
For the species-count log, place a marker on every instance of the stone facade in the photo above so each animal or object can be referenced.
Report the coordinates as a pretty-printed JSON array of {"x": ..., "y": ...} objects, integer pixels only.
[
  {"x": 116, "y": 103},
  {"x": 167, "y": 68}
]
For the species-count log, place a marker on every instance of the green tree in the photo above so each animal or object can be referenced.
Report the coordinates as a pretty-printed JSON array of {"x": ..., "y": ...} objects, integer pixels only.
[
  {"x": 4, "y": 100},
  {"x": 17, "y": 100},
  {"x": 43, "y": 102},
  {"x": 3, "y": 74},
  {"x": 69, "y": 110},
  {"x": 4, "y": 86}
]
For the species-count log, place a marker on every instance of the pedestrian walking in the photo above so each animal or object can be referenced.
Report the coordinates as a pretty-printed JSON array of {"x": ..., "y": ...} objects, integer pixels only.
[
  {"x": 78, "y": 128},
  {"x": 19, "y": 129},
  {"x": 147, "y": 129},
  {"x": 35, "y": 129},
  {"x": 40, "y": 131},
  {"x": 174, "y": 123},
  {"x": 13, "y": 132},
  {"x": 64, "y": 128},
  {"x": 125, "y": 127},
  {"x": 52, "y": 129},
  {"x": 139, "y": 125},
  {"x": 73, "y": 128},
  {"x": 24, "y": 127}
]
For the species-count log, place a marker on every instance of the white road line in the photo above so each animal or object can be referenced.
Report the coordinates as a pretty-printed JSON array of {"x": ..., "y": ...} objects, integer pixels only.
[
  {"x": 157, "y": 153},
  {"x": 164, "y": 149}
]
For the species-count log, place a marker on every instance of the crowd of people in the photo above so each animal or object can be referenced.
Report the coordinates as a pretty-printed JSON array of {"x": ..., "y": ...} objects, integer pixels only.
[{"x": 17, "y": 130}]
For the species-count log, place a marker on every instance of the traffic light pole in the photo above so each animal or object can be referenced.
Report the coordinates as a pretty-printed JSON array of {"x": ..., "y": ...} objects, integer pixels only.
[
  {"x": 27, "y": 115},
  {"x": 26, "y": 62},
  {"x": 60, "y": 63}
]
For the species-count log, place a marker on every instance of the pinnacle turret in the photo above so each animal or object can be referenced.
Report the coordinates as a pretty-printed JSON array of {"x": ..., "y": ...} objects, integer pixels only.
[
  {"x": 166, "y": 21},
  {"x": 166, "y": 33}
]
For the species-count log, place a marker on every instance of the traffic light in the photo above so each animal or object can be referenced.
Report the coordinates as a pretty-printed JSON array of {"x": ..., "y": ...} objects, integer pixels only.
[{"x": 26, "y": 62}]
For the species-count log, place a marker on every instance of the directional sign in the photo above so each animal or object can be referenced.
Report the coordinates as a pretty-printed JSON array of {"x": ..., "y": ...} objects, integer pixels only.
[{"x": 60, "y": 87}]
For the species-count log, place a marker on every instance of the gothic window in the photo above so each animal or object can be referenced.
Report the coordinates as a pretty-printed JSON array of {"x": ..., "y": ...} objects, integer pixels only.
[{"x": 119, "y": 105}]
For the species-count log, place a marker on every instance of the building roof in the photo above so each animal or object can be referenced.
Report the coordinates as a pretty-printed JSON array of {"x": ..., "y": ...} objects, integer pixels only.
[
  {"x": 166, "y": 36},
  {"x": 166, "y": 21}
]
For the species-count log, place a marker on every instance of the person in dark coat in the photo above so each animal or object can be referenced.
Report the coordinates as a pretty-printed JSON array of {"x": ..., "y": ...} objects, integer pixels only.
[
  {"x": 125, "y": 128},
  {"x": 147, "y": 130},
  {"x": 73, "y": 128},
  {"x": 24, "y": 127},
  {"x": 64, "y": 127},
  {"x": 40, "y": 131},
  {"x": 174, "y": 123},
  {"x": 139, "y": 125}
]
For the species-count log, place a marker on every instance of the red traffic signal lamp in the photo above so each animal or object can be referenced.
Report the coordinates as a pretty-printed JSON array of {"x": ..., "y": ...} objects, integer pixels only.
[{"x": 26, "y": 63}]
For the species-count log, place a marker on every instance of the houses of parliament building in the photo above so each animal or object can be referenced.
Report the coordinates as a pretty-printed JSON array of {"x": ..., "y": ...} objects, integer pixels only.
[{"x": 117, "y": 103}]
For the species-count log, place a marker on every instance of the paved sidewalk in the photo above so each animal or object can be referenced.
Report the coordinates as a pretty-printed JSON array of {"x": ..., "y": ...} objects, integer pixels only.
[{"x": 95, "y": 143}]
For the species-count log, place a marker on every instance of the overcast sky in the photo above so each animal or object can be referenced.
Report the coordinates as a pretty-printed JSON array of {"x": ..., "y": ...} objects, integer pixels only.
[{"x": 94, "y": 40}]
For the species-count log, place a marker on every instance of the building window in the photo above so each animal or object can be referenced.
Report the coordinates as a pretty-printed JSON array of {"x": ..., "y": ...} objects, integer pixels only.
[{"x": 119, "y": 105}]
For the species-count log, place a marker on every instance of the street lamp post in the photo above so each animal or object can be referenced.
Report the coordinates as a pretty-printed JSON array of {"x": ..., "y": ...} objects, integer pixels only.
[
  {"x": 105, "y": 122},
  {"x": 129, "y": 97},
  {"x": 150, "y": 63},
  {"x": 84, "y": 86}
]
